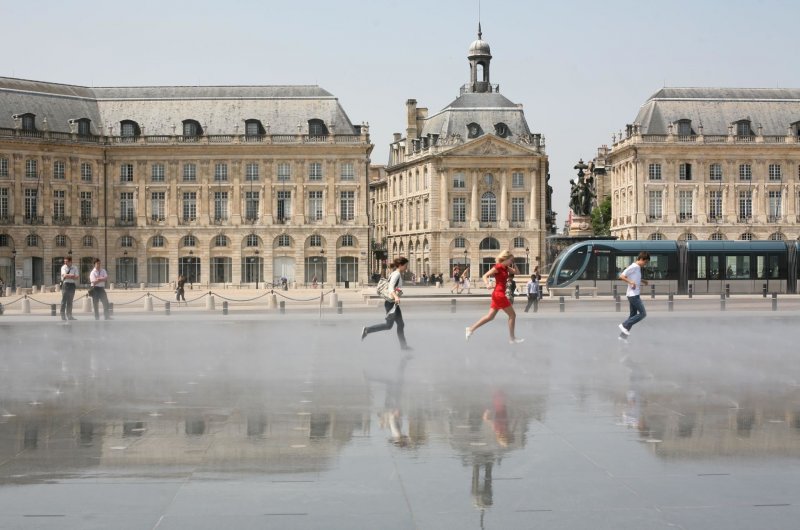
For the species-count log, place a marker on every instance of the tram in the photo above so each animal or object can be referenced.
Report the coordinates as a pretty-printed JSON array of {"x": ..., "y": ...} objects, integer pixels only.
[{"x": 705, "y": 267}]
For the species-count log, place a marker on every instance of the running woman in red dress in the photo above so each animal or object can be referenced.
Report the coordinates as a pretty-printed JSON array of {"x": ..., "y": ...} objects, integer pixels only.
[{"x": 504, "y": 264}]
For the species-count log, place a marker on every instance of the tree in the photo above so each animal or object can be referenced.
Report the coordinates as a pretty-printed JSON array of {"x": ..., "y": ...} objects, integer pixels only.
[{"x": 601, "y": 218}]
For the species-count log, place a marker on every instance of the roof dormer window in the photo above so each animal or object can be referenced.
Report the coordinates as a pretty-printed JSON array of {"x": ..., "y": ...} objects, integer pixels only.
[
  {"x": 474, "y": 130},
  {"x": 253, "y": 128},
  {"x": 743, "y": 128},
  {"x": 684, "y": 127},
  {"x": 28, "y": 122},
  {"x": 192, "y": 129},
  {"x": 316, "y": 127},
  {"x": 129, "y": 129},
  {"x": 84, "y": 127},
  {"x": 501, "y": 130}
]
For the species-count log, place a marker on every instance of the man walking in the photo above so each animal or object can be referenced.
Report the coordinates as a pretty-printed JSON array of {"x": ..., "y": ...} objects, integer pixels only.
[
  {"x": 633, "y": 277},
  {"x": 69, "y": 278}
]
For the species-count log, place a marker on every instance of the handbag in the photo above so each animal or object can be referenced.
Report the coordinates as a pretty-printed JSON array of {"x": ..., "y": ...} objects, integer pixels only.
[{"x": 383, "y": 290}]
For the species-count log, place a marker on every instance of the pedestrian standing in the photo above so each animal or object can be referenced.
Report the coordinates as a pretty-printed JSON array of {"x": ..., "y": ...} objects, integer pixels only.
[
  {"x": 69, "y": 279},
  {"x": 503, "y": 267},
  {"x": 393, "y": 314},
  {"x": 98, "y": 279},
  {"x": 633, "y": 277},
  {"x": 532, "y": 289},
  {"x": 180, "y": 291}
]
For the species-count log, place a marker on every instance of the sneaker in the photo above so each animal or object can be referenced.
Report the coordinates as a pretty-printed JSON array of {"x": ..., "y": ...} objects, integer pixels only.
[
  {"x": 364, "y": 332},
  {"x": 406, "y": 348},
  {"x": 623, "y": 330},
  {"x": 468, "y": 334},
  {"x": 516, "y": 341},
  {"x": 623, "y": 338}
]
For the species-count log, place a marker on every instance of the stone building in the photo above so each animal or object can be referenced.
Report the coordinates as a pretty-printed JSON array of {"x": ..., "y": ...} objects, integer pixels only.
[
  {"x": 465, "y": 182},
  {"x": 708, "y": 163},
  {"x": 227, "y": 185}
]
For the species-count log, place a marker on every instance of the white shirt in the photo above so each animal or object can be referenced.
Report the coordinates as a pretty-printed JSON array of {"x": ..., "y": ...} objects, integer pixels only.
[
  {"x": 66, "y": 269},
  {"x": 533, "y": 287},
  {"x": 98, "y": 278},
  {"x": 395, "y": 281},
  {"x": 634, "y": 274}
]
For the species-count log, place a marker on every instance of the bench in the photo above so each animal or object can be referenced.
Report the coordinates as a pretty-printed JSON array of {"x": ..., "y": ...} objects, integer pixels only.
[{"x": 570, "y": 291}]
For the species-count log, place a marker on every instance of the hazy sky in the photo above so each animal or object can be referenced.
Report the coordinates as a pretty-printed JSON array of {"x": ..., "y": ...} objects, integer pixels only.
[{"x": 581, "y": 68}]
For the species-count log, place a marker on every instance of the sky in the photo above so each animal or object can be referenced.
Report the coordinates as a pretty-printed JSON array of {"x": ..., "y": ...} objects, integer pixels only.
[{"x": 581, "y": 68}]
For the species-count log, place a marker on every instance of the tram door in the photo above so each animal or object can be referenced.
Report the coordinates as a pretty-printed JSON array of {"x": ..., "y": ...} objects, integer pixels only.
[
  {"x": 709, "y": 274},
  {"x": 770, "y": 270}
]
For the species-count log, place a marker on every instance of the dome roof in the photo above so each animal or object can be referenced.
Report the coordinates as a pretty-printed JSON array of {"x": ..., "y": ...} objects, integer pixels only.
[{"x": 480, "y": 47}]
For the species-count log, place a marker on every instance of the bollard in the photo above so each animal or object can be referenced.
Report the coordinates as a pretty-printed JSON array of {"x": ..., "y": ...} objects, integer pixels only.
[
  {"x": 52, "y": 310},
  {"x": 2, "y": 309},
  {"x": 577, "y": 292},
  {"x": 617, "y": 304},
  {"x": 166, "y": 308},
  {"x": 691, "y": 290},
  {"x": 87, "y": 304},
  {"x": 334, "y": 299},
  {"x": 452, "y": 305},
  {"x": 110, "y": 308},
  {"x": 652, "y": 292},
  {"x": 26, "y": 305},
  {"x": 670, "y": 303},
  {"x": 727, "y": 290},
  {"x": 273, "y": 301},
  {"x": 774, "y": 301},
  {"x": 283, "y": 307},
  {"x": 224, "y": 307},
  {"x": 339, "y": 307},
  {"x": 148, "y": 303},
  {"x": 722, "y": 301},
  {"x": 614, "y": 291},
  {"x": 560, "y": 304},
  {"x": 210, "y": 302},
  {"x": 764, "y": 290}
]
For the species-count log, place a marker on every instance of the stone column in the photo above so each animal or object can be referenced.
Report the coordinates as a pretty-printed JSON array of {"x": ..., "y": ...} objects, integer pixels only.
[
  {"x": 473, "y": 206},
  {"x": 504, "y": 217},
  {"x": 444, "y": 210}
]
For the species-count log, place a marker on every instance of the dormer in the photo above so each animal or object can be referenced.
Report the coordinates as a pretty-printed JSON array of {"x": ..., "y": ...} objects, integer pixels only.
[
  {"x": 684, "y": 127},
  {"x": 253, "y": 128},
  {"x": 129, "y": 129},
  {"x": 501, "y": 130},
  {"x": 316, "y": 127},
  {"x": 192, "y": 129},
  {"x": 743, "y": 127},
  {"x": 474, "y": 130},
  {"x": 25, "y": 122}
]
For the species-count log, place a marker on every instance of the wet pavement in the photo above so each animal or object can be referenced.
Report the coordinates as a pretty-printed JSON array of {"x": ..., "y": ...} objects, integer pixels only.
[{"x": 241, "y": 423}]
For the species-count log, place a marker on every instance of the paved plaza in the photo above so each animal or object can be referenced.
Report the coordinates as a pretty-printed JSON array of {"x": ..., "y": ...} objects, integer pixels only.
[{"x": 258, "y": 419}]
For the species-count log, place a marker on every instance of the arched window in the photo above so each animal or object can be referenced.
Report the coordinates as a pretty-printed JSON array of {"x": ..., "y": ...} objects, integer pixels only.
[
  {"x": 221, "y": 241},
  {"x": 192, "y": 129},
  {"x": 129, "y": 129},
  {"x": 777, "y": 236},
  {"x": 33, "y": 240},
  {"x": 284, "y": 240},
  {"x": 347, "y": 241},
  {"x": 747, "y": 236},
  {"x": 743, "y": 128},
  {"x": 488, "y": 208},
  {"x": 687, "y": 236},
  {"x": 126, "y": 241},
  {"x": 717, "y": 236},
  {"x": 315, "y": 241},
  {"x": 519, "y": 242},
  {"x": 656, "y": 236},
  {"x": 157, "y": 242},
  {"x": 253, "y": 128},
  {"x": 316, "y": 127},
  {"x": 28, "y": 121},
  {"x": 501, "y": 130},
  {"x": 460, "y": 242},
  {"x": 490, "y": 243},
  {"x": 189, "y": 241},
  {"x": 84, "y": 127},
  {"x": 474, "y": 130},
  {"x": 88, "y": 241},
  {"x": 61, "y": 240},
  {"x": 252, "y": 241}
]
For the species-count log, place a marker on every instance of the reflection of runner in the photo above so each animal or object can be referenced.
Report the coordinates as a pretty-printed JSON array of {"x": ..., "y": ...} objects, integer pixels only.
[
  {"x": 504, "y": 265},
  {"x": 499, "y": 418},
  {"x": 392, "y": 416}
]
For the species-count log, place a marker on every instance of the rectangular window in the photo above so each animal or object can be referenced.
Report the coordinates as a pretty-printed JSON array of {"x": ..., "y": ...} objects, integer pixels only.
[
  {"x": 220, "y": 205},
  {"x": 685, "y": 172},
  {"x": 775, "y": 206},
  {"x": 284, "y": 210},
  {"x": 745, "y": 172},
  {"x": 4, "y": 212},
  {"x": 86, "y": 172},
  {"x": 315, "y": 171},
  {"x": 158, "y": 210},
  {"x": 157, "y": 172},
  {"x": 458, "y": 181},
  {"x": 126, "y": 173},
  {"x": 221, "y": 172},
  {"x": 459, "y": 209},
  {"x": 714, "y": 205},
  {"x": 737, "y": 267},
  {"x": 348, "y": 171},
  {"x": 284, "y": 171},
  {"x": 251, "y": 204},
  {"x": 189, "y": 172},
  {"x": 715, "y": 172},
  {"x": 774, "y": 172},
  {"x": 701, "y": 268},
  {"x": 654, "y": 171},
  {"x": 59, "y": 170},
  {"x": 3, "y": 167},
  {"x": 31, "y": 169},
  {"x": 315, "y": 205},
  {"x": 251, "y": 172},
  {"x": 86, "y": 205},
  {"x": 347, "y": 205},
  {"x": 517, "y": 180},
  {"x": 189, "y": 205},
  {"x": 655, "y": 212},
  {"x": 127, "y": 210},
  {"x": 517, "y": 209},
  {"x": 31, "y": 196},
  {"x": 745, "y": 205},
  {"x": 685, "y": 200}
]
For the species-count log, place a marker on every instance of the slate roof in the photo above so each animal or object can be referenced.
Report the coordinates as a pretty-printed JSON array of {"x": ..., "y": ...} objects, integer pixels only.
[
  {"x": 158, "y": 108},
  {"x": 484, "y": 108},
  {"x": 716, "y": 108}
]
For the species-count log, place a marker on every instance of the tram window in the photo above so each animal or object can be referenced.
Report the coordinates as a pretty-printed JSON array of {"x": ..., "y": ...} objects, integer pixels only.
[
  {"x": 658, "y": 268},
  {"x": 713, "y": 268},
  {"x": 701, "y": 267},
  {"x": 737, "y": 267},
  {"x": 774, "y": 267},
  {"x": 572, "y": 263},
  {"x": 761, "y": 267},
  {"x": 622, "y": 262},
  {"x": 602, "y": 269}
]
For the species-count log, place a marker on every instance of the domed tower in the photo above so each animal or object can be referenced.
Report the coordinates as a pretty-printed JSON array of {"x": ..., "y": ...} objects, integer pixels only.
[{"x": 480, "y": 55}]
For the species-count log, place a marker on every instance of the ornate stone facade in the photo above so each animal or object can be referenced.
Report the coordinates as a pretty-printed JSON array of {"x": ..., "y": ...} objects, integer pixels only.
[{"x": 227, "y": 185}]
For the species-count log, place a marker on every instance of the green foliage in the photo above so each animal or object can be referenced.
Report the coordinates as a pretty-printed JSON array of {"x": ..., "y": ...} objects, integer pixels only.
[{"x": 601, "y": 218}]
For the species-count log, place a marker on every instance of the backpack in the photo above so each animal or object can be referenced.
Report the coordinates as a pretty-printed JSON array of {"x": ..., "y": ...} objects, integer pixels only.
[{"x": 383, "y": 289}]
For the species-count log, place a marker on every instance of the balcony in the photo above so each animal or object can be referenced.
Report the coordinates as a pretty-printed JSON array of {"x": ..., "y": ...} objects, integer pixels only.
[
  {"x": 251, "y": 218},
  {"x": 775, "y": 218},
  {"x": 219, "y": 219},
  {"x": 33, "y": 220},
  {"x": 186, "y": 221},
  {"x": 6, "y": 219},
  {"x": 655, "y": 218},
  {"x": 126, "y": 221},
  {"x": 686, "y": 218},
  {"x": 156, "y": 220},
  {"x": 88, "y": 221},
  {"x": 62, "y": 220},
  {"x": 714, "y": 218},
  {"x": 744, "y": 219}
]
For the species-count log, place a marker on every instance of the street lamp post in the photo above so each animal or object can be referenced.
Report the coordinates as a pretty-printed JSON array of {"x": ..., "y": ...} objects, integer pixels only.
[
  {"x": 258, "y": 269},
  {"x": 322, "y": 274},
  {"x": 527, "y": 260},
  {"x": 465, "y": 259},
  {"x": 14, "y": 270}
]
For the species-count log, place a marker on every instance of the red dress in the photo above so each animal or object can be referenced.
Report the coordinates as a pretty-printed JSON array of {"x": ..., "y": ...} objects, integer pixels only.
[{"x": 499, "y": 300}]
